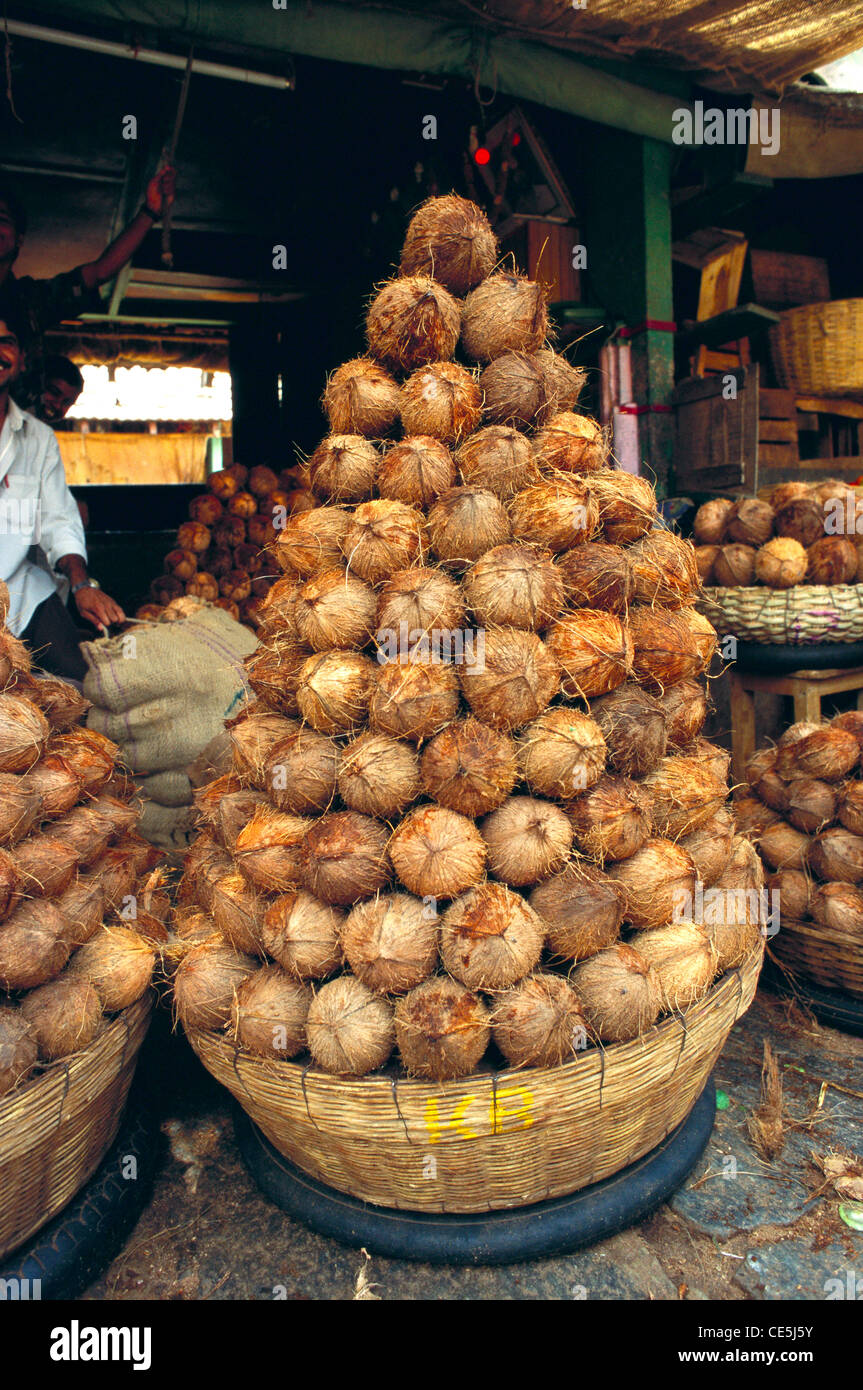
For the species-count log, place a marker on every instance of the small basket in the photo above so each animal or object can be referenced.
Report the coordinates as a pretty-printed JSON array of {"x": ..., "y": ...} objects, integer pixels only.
[
  {"x": 56, "y": 1128},
  {"x": 827, "y": 956},
  {"x": 817, "y": 349},
  {"x": 493, "y": 1140},
  {"x": 806, "y": 615}
]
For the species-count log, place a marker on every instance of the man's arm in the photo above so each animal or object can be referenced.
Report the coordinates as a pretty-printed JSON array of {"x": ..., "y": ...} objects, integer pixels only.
[
  {"x": 160, "y": 195},
  {"x": 62, "y": 539}
]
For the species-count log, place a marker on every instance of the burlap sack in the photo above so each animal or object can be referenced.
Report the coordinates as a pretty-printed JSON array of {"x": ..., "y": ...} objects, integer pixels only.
[
  {"x": 170, "y": 828},
  {"x": 168, "y": 788}
]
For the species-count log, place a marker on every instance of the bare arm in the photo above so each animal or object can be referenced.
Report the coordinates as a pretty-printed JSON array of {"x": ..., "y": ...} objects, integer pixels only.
[{"x": 160, "y": 195}]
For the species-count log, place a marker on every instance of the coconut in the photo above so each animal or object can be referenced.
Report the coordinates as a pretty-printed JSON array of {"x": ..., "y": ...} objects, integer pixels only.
[
  {"x": 682, "y": 794},
  {"x": 416, "y": 471},
  {"x": 217, "y": 561},
  {"x": 361, "y": 398},
  {"x": 344, "y": 858},
  {"x": 802, "y": 519},
  {"x": 837, "y": 906},
  {"x": 796, "y": 731},
  {"x": 413, "y": 602},
  {"x": 268, "y": 1013},
  {"x": 516, "y": 586},
  {"x": 734, "y": 566},
  {"x": 469, "y": 767},
  {"x": 205, "y": 586},
  {"x": 119, "y": 964},
  {"x": 705, "y": 555},
  {"x": 515, "y": 682},
  {"x": 230, "y": 531},
  {"x": 852, "y": 720},
  {"x": 490, "y": 937},
  {"x": 223, "y": 483},
  {"x": 267, "y": 850},
  {"x": 520, "y": 389},
  {"x": 685, "y": 709},
  {"x": 850, "y": 806},
  {"x": 783, "y": 493},
  {"x": 565, "y": 382},
  {"x": 344, "y": 467},
  {"x": 206, "y": 981},
  {"x": 582, "y": 909},
  {"x": 733, "y": 908},
  {"x": 618, "y": 993},
  {"x": 594, "y": 651},
  {"x": 280, "y": 605},
  {"x": 119, "y": 867},
  {"x": 634, "y": 728},
  {"x": 771, "y": 788},
  {"x": 412, "y": 320},
  {"x": 391, "y": 942},
  {"x": 34, "y": 945},
  {"x": 750, "y": 522},
  {"x": 15, "y": 666},
  {"x": 381, "y": 538},
  {"x": 786, "y": 848},
  {"x": 709, "y": 845},
  {"x": 506, "y": 313},
  {"x": 610, "y": 821},
  {"x": 627, "y": 505},
  {"x": 570, "y": 443},
  {"x": 87, "y": 832},
  {"x": 19, "y": 1052},
  {"x": 810, "y": 804},
  {"x": 311, "y": 541},
  {"x": 561, "y": 754},
  {"x": 665, "y": 651},
  {"x": 831, "y": 560},
  {"x": 556, "y": 515},
  {"x": 183, "y": 564},
  {"x": 781, "y": 563},
  {"x": 716, "y": 759},
  {"x": 60, "y": 703},
  {"x": 664, "y": 570},
  {"x": 194, "y": 537},
  {"x": 498, "y": 458},
  {"x": 683, "y": 958},
  {"x": 334, "y": 609},
  {"x": 11, "y": 882},
  {"x": 378, "y": 775},
  {"x": 834, "y": 854},
  {"x": 63, "y": 1016},
  {"x": 710, "y": 520},
  {"x": 442, "y": 400},
  {"x": 334, "y": 690},
  {"x": 828, "y": 753},
  {"x": 752, "y": 816},
  {"x": 794, "y": 890},
  {"x": 412, "y": 700},
  {"x": 242, "y": 504},
  {"x": 165, "y": 588},
  {"x": 450, "y": 238},
  {"x": 300, "y": 772},
  {"x": 204, "y": 865},
  {"x": 437, "y": 853},
  {"x": 598, "y": 576},
  {"x": 465, "y": 523},
  {"x": 527, "y": 840},
  {"x": 252, "y": 739},
  {"x": 349, "y": 1029},
  {"x": 302, "y": 934},
  {"x": 24, "y": 732},
  {"x": 442, "y": 1030},
  {"x": 46, "y": 864},
  {"x": 227, "y": 807},
  {"x": 834, "y": 490},
  {"x": 20, "y": 807},
  {"x": 539, "y": 1023},
  {"x": 658, "y": 883},
  {"x": 238, "y": 912}
]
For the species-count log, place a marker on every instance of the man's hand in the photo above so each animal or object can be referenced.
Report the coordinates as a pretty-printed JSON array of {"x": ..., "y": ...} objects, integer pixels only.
[
  {"x": 160, "y": 191},
  {"x": 98, "y": 608}
]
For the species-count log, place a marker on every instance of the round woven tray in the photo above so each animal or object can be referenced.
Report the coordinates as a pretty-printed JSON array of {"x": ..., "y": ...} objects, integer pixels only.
[
  {"x": 492, "y": 1140},
  {"x": 56, "y": 1129},
  {"x": 829, "y": 957},
  {"x": 805, "y": 615},
  {"x": 817, "y": 349}
]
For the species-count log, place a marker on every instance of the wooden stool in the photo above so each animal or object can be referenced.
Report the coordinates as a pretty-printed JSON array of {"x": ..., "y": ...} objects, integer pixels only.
[{"x": 807, "y": 689}]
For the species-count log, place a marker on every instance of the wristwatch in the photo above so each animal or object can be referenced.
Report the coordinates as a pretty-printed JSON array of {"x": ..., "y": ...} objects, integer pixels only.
[{"x": 85, "y": 584}]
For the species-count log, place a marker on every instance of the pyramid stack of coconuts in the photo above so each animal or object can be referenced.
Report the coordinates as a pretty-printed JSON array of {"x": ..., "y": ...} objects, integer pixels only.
[
  {"x": 70, "y": 866},
  {"x": 471, "y": 796}
]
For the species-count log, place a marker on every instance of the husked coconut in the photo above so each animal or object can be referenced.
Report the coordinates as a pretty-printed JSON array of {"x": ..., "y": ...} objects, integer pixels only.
[
  {"x": 267, "y": 850},
  {"x": 627, "y": 505},
  {"x": 55, "y": 782},
  {"x": 794, "y": 890},
  {"x": 412, "y": 320},
  {"x": 334, "y": 690},
  {"x": 381, "y": 538},
  {"x": 517, "y": 679},
  {"x": 273, "y": 672},
  {"x": 527, "y": 839},
  {"x": 516, "y": 586},
  {"x": 852, "y": 720},
  {"x": 710, "y": 520},
  {"x": 618, "y": 993},
  {"x": 598, "y": 576},
  {"x": 310, "y": 541},
  {"x": 781, "y": 563},
  {"x": 361, "y": 398},
  {"x": 783, "y": 847},
  {"x": 634, "y": 728},
  {"x": 837, "y": 906},
  {"x": 19, "y": 1052},
  {"x": 302, "y": 934},
  {"x": 733, "y": 908},
  {"x": 783, "y": 493},
  {"x": 556, "y": 514},
  {"x": 464, "y": 523},
  {"x": 119, "y": 964},
  {"x": 24, "y": 732},
  {"x": 709, "y": 845},
  {"x": 831, "y": 560},
  {"x": 682, "y": 794},
  {"x": 413, "y": 700},
  {"x": 20, "y": 807},
  {"x": 269, "y": 1012},
  {"x": 734, "y": 566},
  {"x": 539, "y": 1023},
  {"x": 83, "y": 905},
  {"x": 344, "y": 468},
  {"x": 519, "y": 388},
  {"x": 582, "y": 909},
  {"x": 300, "y": 772},
  {"x": 683, "y": 958},
  {"x": 802, "y": 519},
  {"x": 594, "y": 651},
  {"x": 664, "y": 570},
  {"x": 810, "y": 805},
  {"x": 237, "y": 911},
  {"x": 34, "y": 945},
  {"x": 610, "y": 821},
  {"x": 416, "y": 471},
  {"x": 561, "y": 754},
  {"x": 506, "y": 313},
  {"x": 750, "y": 521},
  {"x": 834, "y": 854},
  {"x": 827, "y": 752},
  {"x": 60, "y": 702},
  {"x": 664, "y": 650},
  {"x": 498, "y": 458},
  {"x": 437, "y": 853},
  {"x": 570, "y": 443},
  {"x": 63, "y": 1016},
  {"x": 703, "y": 633},
  {"x": 442, "y": 1030},
  {"x": 343, "y": 857},
  {"x": 850, "y": 807},
  {"x": 705, "y": 555},
  {"x": 252, "y": 738},
  {"x": 378, "y": 775},
  {"x": 443, "y": 400},
  {"x": 391, "y": 942},
  {"x": 469, "y": 767},
  {"x": 685, "y": 709},
  {"x": 490, "y": 937},
  {"x": 658, "y": 882},
  {"x": 413, "y": 602},
  {"x": 349, "y": 1029},
  {"x": 46, "y": 864},
  {"x": 335, "y": 609},
  {"x": 451, "y": 239}
]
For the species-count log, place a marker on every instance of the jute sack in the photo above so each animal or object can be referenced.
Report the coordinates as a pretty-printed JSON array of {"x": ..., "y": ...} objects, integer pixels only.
[
  {"x": 169, "y": 828},
  {"x": 168, "y": 788}
]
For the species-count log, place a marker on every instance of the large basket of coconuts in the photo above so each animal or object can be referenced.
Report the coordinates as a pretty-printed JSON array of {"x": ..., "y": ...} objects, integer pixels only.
[
  {"x": 471, "y": 890},
  {"x": 783, "y": 569},
  {"x": 74, "y": 969}
]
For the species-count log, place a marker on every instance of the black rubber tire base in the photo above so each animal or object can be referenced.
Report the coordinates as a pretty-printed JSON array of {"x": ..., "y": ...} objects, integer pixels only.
[
  {"x": 499, "y": 1237},
  {"x": 830, "y": 1006},
  {"x": 779, "y": 660},
  {"x": 81, "y": 1241}
]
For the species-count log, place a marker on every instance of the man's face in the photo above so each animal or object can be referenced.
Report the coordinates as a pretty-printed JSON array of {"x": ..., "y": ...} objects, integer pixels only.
[
  {"x": 10, "y": 241},
  {"x": 11, "y": 357},
  {"x": 58, "y": 397}
]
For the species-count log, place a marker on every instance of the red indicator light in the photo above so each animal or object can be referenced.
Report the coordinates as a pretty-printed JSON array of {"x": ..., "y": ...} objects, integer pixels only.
[{"x": 482, "y": 156}]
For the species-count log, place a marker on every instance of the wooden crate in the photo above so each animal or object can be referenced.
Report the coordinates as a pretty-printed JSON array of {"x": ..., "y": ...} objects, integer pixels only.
[
  {"x": 782, "y": 281},
  {"x": 545, "y": 250},
  {"x": 715, "y": 439}
]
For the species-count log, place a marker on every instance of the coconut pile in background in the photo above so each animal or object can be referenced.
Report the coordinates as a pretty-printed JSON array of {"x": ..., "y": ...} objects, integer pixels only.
[
  {"x": 801, "y": 533},
  {"x": 72, "y": 871},
  {"x": 420, "y": 859}
]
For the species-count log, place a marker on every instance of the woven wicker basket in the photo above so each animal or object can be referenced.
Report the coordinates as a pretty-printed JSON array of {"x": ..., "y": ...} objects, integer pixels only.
[
  {"x": 493, "y": 1140},
  {"x": 56, "y": 1129},
  {"x": 827, "y": 956},
  {"x": 805, "y": 615},
  {"x": 817, "y": 349}
]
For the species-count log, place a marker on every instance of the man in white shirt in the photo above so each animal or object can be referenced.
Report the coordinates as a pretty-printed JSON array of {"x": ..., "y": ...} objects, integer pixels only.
[{"x": 37, "y": 508}]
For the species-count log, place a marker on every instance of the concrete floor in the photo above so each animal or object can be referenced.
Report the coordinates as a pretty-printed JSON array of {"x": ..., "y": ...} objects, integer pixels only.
[{"x": 740, "y": 1228}]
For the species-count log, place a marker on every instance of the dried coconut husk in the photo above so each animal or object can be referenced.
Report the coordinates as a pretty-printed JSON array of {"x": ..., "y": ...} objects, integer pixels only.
[
  {"x": 268, "y": 1013},
  {"x": 416, "y": 471},
  {"x": 10, "y": 884},
  {"x": 561, "y": 754},
  {"x": 594, "y": 651},
  {"x": 831, "y": 560},
  {"x": 685, "y": 709},
  {"x": 664, "y": 650},
  {"x": 63, "y": 1016},
  {"x": 382, "y": 537},
  {"x": 520, "y": 388},
  {"x": 811, "y": 804},
  {"x": 238, "y": 912},
  {"x": 734, "y": 566},
  {"x": 86, "y": 832},
  {"x": 556, "y": 515},
  {"x": 421, "y": 598},
  {"x": 361, "y": 398},
  {"x": 204, "y": 586},
  {"x": 852, "y": 721},
  {"x": 252, "y": 739},
  {"x": 703, "y": 633},
  {"x": 783, "y": 847},
  {"x": 229, "y": 532},
  {"x": 267, "y": 850},
  {"x": 783, "y": 493},
  {"x": 344, "y": 468},
  {"x": 465, "y": 523},
  {"x": 802, "y": 519},
  {"x": 682, "y": 794},
  {"x": 302, "y": 934},
  {"x": 582, "y": 909},
  {"x": 280, "y": 605},
  {"x": 15, "y": 661},
  {"x": 413, "y": 320},
  {"x": 91, "y": 756},
  {"x": 442, "y": 1030},
  {"x": 683, "y": 958},
  {"x": 274, "y": 670},
  {"x": 750, "y": 522},
  {"x": 334, "y": 609},
  {"x": 343, "y": 858},
  {"x": 828, "y": 753},
  {"x": 442, "y": 400},
  {"x": 378, "y": 775},
  {"x": 203, "y": 866},
  {"x": 833, "y": 854},
  {"x": 633, "y": 725},
  {"x": 391, "y": 942},
  {"x": 262, "y": 481},
  {"x": 506, "y": 313},
  {"x": 437, "y": 852},
  {"x": 451, "y": 239},
  {"x": 850, "y": 806},
  {"x": 795, "y": 890},
  {"x": 469, "y": 767},
  {"x": 515, "y": 586},
  {"x": 597, "y": 576},
  {"x": 527, "y": 840},
  {"x": 24, "y": 732},
  {"x": 627, "y": 505},
  {"x": 664, "y": 570},
  {"x": 490, "y": 937},
  {"x": 242, "y": 504},
  {"x": 300, "y": 772},
  {"x": 570, "y": 443},
  {"x": 709, "y": 845},
  {"x": 46, "y": 865},
  {"x": 34, "y": 945},
  {"x": 183, "y": 564},
  {"x": 772, "y": 790},
  {"x": 704, "y": 558},
  {"x": 498, "y": 458},
  {"x": 781, "y": 563},
  {"x": 349, "y": 1029},
  {"x": 711, "y": 519},
  {"x": 235, "y": 586},
  {"x": 119, "y": 964},
  {"x": 618, "y": 993},
  {"x": 60, "y": 703},
  {"x": 610, "y": 821},
  {"x": 206, "y": 508},
  {"x": 837, "y": 906},
  {"x": 752, "y": 816},
  {"x": 334, "y": 690},
  {"x": 796, "y": 731},
  {"x": 310, "y": 541},
  {"x": 20, "y": 807},
  {"x": 517, "y": 680},
  {"x": 658, "y": 882},
  {"x": 194, "y": 536},
  {"x": 18, "y": 1049},
  {"x": 538, "y": 1022},
  {"x": 733, "y": 909}
]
